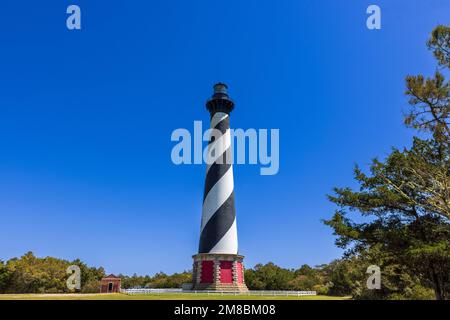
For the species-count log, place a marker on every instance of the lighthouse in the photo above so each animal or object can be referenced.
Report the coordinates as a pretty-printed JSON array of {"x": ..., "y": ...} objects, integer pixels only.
[{"x": 217, "y": 265}]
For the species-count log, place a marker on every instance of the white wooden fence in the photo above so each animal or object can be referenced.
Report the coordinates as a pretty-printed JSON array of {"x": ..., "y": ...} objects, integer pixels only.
[{"x": 207, "y": 292}]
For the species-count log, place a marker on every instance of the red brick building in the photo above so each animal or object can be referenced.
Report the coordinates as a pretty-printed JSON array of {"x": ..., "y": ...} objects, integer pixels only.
[{"x": 110, "y": 284}]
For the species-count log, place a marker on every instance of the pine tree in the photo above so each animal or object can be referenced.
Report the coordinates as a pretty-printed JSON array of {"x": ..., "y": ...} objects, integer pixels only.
[{"x": 406, "y": 197}]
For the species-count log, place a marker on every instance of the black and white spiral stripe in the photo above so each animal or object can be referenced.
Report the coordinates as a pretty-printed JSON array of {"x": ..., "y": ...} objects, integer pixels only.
[{"x": 218, "y": 229}]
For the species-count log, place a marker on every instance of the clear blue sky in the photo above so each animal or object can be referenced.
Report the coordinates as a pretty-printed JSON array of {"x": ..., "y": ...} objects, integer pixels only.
[{"x": 86, "y": 118}]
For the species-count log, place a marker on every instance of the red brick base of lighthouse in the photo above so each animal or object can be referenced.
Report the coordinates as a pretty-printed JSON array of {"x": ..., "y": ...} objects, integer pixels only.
[{"x": 220, "y": 272}]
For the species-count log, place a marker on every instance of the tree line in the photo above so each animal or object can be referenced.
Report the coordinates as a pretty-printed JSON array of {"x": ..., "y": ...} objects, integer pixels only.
[
  {"x": 30, "y": 274},
  {"x": 342, "y": 277}
]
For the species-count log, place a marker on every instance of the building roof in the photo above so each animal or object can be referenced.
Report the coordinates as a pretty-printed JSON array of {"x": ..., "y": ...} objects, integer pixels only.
[{"x": 111, "y": 276}]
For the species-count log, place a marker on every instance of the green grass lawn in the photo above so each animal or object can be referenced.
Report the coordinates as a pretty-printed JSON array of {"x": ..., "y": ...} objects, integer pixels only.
[{"x": 165, "y": 296}]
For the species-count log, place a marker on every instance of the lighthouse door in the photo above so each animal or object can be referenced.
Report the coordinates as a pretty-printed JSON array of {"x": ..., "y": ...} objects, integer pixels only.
[{"x": 226, "y": 272}]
